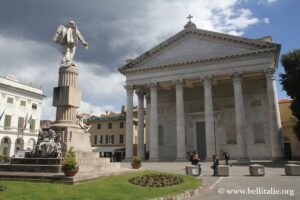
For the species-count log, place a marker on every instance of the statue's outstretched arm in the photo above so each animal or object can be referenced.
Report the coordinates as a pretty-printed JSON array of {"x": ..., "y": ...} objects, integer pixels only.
[{"x": 85, "y": 44}]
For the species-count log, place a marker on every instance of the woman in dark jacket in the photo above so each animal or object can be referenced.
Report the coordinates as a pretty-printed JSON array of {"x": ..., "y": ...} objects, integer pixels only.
[{"x": 215, "y": 164}]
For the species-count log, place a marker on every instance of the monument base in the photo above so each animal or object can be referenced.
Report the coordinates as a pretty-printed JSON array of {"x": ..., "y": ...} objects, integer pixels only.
[
  {"x": 91, "y": 167},
  {"x": 73, "y": 136}
]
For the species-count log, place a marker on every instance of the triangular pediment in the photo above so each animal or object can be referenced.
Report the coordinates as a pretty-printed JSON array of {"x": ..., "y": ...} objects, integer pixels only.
[{"x": 195, "y": 45}]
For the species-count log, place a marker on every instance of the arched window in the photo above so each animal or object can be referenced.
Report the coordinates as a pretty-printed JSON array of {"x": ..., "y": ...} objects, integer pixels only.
[
  {"x": 5, "y": 140},
  {"x": 18, "y": 141}
]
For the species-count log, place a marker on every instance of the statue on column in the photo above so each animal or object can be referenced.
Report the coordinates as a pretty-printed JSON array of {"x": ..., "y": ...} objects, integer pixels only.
[{"x": 68, "y": 37}]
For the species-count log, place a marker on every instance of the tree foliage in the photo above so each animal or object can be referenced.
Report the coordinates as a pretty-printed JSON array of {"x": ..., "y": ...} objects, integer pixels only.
[{"x": 290, "y": 81}]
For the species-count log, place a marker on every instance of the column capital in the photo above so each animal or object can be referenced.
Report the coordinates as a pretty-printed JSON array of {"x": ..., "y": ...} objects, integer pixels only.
[
  {"x": 270, "y": 72},
  {"x": 129, "y": 89},
  {"x": 153, "y": 85},
  {"x": 147, "y": 97},
  {"x": 178, "y": 82},
  {"x": 207, "y": 81},
  {"x": 140, "y": 92},
  {"x": 237, "y": 77}
]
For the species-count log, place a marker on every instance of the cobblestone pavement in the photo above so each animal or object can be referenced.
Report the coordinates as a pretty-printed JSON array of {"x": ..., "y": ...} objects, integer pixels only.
[{"x": 239, "y": 185}]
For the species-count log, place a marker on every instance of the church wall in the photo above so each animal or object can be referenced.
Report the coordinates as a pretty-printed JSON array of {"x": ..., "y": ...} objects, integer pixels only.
[
  {"x": 255, "y": 102},
  {"x": 167, "y": 120}
]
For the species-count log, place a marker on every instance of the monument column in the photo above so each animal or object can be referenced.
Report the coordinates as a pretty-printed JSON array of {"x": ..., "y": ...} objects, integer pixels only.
[
  {"x": 240, "y": 117},
  {"x": 148, "y": 108},
  {"x": 153, "y": 123},
  {"x": 180, "y": 128},
  {"x": 129, "y": 123},
  {"x": 67, "y": 96},
  {"x": 209, "y": 118},
  {"x": 141, "y": 145},
  {"x": 274, "y": 116}
]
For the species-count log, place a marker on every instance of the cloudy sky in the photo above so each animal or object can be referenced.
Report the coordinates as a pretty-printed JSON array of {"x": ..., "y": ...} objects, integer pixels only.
[{"x": 117, "y": 30}]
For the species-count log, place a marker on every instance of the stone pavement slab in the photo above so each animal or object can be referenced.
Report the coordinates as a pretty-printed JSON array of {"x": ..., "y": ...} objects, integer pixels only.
[{"x": 239, "y": 184}]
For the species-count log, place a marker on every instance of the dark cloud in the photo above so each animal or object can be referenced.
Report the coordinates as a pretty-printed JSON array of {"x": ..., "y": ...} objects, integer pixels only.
[
  {"x": 116, "y": 30},
  {"x": 97, "y": 20}
]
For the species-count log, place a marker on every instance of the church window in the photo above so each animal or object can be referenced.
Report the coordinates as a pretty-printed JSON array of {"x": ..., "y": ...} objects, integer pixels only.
[
  {"x": 258, "y": 132},
  {"x": 160, "y": 135}
]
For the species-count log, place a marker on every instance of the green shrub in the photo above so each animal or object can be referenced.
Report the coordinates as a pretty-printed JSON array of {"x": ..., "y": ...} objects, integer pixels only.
[
  {"x": 156, "y": 180},
  {"x": 136, "y": 160},
  {"x": 70, "y": 163}
]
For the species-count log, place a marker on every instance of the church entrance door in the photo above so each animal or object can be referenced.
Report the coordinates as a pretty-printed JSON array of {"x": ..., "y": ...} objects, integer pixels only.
[{"x": 201, "y": 144}]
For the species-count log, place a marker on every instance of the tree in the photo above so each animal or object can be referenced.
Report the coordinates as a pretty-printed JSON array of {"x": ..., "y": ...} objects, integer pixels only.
[{"x": 290, "y": 81}]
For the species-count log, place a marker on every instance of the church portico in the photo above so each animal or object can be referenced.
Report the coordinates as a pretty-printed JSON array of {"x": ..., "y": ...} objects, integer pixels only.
[{"x": 217, "y": 104}]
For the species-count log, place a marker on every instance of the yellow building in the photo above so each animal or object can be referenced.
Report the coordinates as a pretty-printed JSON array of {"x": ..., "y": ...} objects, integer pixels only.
[
  {"x": 288, "y": 121},
  {"x": 108, "y": 134}
]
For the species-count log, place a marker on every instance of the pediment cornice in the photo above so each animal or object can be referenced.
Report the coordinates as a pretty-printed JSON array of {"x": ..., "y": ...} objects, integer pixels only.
[
  {"x": 261, "y": 46},
  {"x": 201, "y": 61}
]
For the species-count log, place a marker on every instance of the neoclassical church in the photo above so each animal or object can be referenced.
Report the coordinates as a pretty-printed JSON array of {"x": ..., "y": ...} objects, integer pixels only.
[{"x": 205, "y": 91}]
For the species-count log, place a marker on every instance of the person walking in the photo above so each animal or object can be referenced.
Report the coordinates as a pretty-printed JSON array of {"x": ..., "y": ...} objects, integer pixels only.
[
  {"x": 227, "y": 157},
  {"x": 215, "y": 164}
]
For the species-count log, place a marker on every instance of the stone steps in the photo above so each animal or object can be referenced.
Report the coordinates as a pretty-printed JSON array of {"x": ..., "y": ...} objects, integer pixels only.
[
  {"x": 87, "y": 161},
  {"x": 38, "y": 161},
  {"x": 80, "y": 155},
  {"x": 99, "y": 167},
  {"x": 30, "y": 168}
]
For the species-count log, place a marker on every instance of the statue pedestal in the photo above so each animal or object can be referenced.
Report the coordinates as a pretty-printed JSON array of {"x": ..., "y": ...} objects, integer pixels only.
[{"x": 73, "y": 136}]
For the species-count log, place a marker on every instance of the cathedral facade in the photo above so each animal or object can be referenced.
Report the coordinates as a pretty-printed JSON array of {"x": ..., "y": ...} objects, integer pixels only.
[{"x": 205, "y": 91}]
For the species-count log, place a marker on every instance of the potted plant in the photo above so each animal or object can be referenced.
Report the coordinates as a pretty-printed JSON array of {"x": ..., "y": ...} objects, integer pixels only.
[
  {"x": 70, "y": 166},
  {"x": 136, "y": 162}
]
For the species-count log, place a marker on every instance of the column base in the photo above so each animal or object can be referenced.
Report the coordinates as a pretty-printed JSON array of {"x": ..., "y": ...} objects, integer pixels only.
[
  {"x": 278, "y": 159},
  {"x": 243, "y": 160}
]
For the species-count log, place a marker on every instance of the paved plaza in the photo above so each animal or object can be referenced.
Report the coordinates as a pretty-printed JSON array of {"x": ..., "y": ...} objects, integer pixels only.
[{"x": 239, "y": 185}]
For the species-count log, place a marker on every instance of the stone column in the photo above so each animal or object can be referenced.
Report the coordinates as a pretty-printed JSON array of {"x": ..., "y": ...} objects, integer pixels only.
[
  {"x": 140, "y": 146},
  {"x": 129, "y": 123},
  {"x": 153, "y": 123},
  {"x": 274, "y": 116},
  {"x": 240, "y": 117},
  {"x": 67, "y": 96},
  {"x": 209, "y": 118},
  {"x": 148, "y": 108},
  {"x": 180, "y": 127}
]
